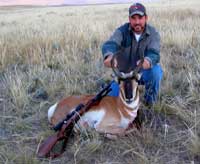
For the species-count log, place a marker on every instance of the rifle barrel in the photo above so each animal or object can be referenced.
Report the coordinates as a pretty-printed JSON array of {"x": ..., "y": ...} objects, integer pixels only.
[{"x": 98, "y": 97}]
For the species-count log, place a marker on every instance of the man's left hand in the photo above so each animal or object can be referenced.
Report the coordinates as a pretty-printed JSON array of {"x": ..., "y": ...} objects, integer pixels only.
[{"x": 146, "y": 64}]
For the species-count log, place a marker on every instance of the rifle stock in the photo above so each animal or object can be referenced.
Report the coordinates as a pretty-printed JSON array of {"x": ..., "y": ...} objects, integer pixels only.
[{"x": 47, "y": 146}]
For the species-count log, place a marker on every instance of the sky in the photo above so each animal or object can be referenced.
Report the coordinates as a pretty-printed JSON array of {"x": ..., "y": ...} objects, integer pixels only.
[{"x": 58, "y": 2}]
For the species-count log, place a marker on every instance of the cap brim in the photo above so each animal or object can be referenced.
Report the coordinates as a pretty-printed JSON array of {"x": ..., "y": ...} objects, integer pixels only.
[{"x": 137, "y": 13}]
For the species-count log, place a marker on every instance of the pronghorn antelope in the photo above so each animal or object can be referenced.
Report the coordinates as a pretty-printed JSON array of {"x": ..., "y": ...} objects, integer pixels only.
[{"x": 112, "y": 115}]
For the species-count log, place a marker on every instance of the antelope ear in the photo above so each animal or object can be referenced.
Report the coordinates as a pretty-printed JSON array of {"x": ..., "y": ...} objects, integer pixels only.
[{"x": 138, "y": 76}]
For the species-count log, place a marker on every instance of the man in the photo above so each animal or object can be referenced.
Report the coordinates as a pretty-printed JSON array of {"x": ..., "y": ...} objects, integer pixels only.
[{"x": 137, "y": 38}]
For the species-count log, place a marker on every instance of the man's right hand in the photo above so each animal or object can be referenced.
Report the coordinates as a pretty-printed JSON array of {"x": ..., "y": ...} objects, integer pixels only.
[{"x": 107, "y": 61}]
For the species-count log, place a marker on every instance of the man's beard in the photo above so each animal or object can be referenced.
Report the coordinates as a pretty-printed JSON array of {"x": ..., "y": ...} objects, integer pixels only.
[{"x": 138, "y": 28}]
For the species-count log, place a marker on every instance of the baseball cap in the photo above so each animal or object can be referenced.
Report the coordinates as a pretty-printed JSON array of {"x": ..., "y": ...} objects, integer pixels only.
[{"x": 137, "y": 8}]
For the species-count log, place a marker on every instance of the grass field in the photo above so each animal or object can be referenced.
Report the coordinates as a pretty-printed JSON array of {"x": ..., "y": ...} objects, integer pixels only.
[{"x": 47, "y": 53}]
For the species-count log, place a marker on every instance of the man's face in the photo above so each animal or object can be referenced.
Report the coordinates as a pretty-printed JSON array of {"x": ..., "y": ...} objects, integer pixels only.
[{"x": 138, "y": 23}]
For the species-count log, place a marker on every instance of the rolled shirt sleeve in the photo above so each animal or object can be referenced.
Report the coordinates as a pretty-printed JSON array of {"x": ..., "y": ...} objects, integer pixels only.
[
  {"x": 112, "y": 45},
  {"x": 153, "y": 49}
]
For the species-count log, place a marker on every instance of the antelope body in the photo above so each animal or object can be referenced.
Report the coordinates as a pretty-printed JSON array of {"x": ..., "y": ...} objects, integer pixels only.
[{"x": 112, "y": 115}]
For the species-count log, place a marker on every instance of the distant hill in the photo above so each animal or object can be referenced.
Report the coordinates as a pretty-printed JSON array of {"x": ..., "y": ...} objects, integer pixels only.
[
  {"x": 62, "y": 2},
  {"x": 96, "y": 1}
]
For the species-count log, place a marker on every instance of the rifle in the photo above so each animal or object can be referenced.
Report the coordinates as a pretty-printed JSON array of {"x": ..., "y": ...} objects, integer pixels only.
[{"x": 65, "y": 127}]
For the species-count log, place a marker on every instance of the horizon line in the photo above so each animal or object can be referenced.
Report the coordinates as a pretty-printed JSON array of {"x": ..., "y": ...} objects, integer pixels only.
[{"x": 59, "y": 5}]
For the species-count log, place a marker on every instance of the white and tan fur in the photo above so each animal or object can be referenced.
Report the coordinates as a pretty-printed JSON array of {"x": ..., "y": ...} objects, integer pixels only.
[{"x": 112, "y": 115}]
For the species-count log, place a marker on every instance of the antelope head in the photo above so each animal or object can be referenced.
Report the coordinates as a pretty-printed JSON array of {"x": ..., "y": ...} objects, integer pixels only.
[
  {"x": 128, "y": 80},
  {"x": 128, "y": 86}
]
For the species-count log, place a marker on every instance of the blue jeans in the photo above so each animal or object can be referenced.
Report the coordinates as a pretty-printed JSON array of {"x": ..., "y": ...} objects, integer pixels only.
[{"x": 151, "y": 78}]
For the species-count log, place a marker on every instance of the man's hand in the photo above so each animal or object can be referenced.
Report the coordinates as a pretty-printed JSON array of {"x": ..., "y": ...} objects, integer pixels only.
[
  {"x": 146, "y": 64},
  {"x": 107, "y": 61}
]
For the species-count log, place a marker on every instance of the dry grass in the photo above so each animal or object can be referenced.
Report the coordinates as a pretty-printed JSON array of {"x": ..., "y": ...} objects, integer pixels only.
[{"x": 57, "y": 51}]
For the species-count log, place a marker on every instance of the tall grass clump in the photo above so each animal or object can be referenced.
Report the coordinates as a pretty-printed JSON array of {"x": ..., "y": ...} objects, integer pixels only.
[{"x": 16, "y": 83}]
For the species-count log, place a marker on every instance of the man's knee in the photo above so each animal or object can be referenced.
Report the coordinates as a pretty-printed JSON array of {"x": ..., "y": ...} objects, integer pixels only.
[
  {"x": 156, "y": 73},
  {"x": 152, "y": 75}
]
